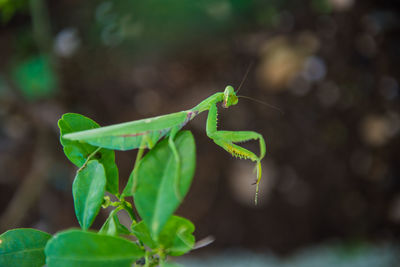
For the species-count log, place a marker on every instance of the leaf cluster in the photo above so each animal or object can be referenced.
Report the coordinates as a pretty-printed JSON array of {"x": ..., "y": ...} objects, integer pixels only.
[{"x": 154, "y": 233}]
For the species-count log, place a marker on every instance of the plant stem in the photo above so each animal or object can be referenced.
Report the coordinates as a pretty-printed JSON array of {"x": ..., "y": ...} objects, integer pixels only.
[
  {"x": 147, "y": 260},
  {"x": 88, "y": 158}
]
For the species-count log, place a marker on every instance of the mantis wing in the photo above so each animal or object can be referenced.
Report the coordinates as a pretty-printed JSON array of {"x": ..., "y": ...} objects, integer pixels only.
[{"x": 135, "y": 134}]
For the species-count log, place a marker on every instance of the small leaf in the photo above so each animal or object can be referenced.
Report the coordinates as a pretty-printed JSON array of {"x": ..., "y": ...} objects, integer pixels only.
[
  {"x": 88, "y": 190},
  {"x": 142, "y": 233},
  {"x": 176, "y": 237},
  {"x": 23, "y": 247},
  {"x": 155, "y": 196},
  {"x": 87, "y": 249},
  {"x": 78, "y": 152},
  {"x": 112, "y": 226},
  {"x": 127, "y": 192}
]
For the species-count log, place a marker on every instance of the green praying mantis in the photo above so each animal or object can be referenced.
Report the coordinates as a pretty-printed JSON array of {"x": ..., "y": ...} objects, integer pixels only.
[{"x": 145, "y": 133}]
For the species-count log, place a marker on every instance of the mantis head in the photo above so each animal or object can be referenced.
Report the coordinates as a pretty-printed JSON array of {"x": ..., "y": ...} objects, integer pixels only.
[{"x": 230, "y": 97}]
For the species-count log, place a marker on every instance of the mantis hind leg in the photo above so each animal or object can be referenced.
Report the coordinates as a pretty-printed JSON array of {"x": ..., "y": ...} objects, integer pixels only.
[
  {"x": 172, "y": 145},
  {"x": 146, "y": 142}
]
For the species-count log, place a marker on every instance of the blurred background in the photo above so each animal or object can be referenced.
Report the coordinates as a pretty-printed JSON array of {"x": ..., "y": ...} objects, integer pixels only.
[{"x": 330, "y": 193}]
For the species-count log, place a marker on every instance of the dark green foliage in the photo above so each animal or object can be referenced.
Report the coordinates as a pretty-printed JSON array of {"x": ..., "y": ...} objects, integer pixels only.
[
  {"x": 156, "y": 201},
  {"x": 8, "y": 8},
  {"x": 159, "y": 234}
]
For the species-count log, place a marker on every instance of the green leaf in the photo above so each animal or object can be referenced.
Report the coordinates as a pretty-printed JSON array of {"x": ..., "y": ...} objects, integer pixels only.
[
  {"x": 129, "y": 186},
  {"x": 23, "y": 247},
  {"x": 112, "y": 226},
  {"x": 88, "y": 190},
  {"x": 155, "y": 196},
  {"x": 87, "y": 249},
  {"x": 175, "y": 239},
  {"x": 78, "y": 152},
  {"x": 73, "y": 122}
]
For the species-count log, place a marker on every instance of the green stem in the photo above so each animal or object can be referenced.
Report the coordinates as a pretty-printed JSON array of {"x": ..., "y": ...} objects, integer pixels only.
[
  {"x": 147, "y": 259},
  {"x": 162, "y": 256},
  {"x": 88, "y": 158},
  {"x": 115, "y": 211}
]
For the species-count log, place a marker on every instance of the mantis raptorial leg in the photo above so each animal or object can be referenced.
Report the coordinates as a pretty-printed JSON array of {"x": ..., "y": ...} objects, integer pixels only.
[{"x": 226, "y": 140}]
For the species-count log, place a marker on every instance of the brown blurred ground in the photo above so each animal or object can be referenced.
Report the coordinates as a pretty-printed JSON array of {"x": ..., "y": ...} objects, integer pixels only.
[{"x": 332, "y": 165}]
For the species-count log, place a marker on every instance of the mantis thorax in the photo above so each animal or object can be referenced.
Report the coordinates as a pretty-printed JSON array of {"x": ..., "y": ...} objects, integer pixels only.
[{"x": 230, "y": 97}]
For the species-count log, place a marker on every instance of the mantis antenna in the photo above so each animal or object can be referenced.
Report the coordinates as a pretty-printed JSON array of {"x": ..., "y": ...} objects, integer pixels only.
[
  {"x": 250, "y": 98},
  {"x": 245, "y": 76},
  {"x": 263, "y": 103}
]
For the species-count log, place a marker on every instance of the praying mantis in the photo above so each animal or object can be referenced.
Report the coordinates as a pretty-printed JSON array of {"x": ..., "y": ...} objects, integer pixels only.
[{"x": 145, "y": 133}]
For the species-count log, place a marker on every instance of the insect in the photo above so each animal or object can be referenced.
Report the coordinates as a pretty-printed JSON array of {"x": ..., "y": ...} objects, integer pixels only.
[{"x": 146, "y": 133}]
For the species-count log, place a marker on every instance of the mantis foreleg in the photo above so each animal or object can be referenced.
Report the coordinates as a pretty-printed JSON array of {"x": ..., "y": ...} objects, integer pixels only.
[
  {"x": 226, "y": 140},
  {"x": 135, "y": 168}
]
